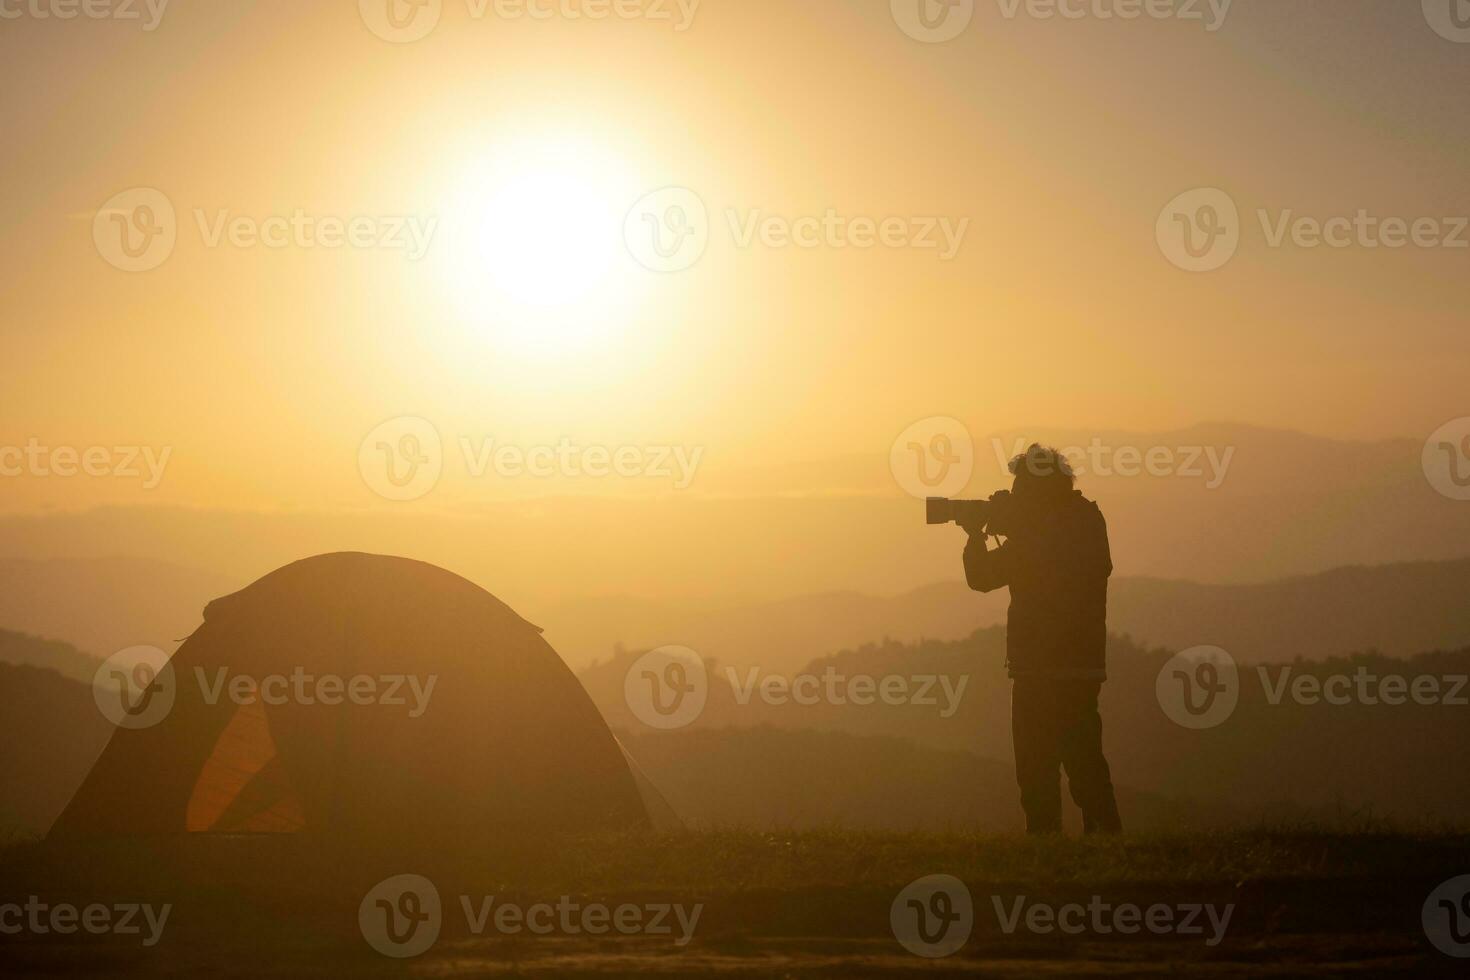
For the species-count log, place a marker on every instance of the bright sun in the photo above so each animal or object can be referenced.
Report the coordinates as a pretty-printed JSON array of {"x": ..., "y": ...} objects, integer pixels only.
[{"x": 534, "y": 249}]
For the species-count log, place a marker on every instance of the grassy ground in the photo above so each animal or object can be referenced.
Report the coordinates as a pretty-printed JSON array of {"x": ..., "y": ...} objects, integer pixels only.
[{"x": 1304, "y": 902}]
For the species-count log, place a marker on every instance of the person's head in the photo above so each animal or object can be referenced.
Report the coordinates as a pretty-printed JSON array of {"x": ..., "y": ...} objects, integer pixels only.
[{"x": 1042, "y": 475}]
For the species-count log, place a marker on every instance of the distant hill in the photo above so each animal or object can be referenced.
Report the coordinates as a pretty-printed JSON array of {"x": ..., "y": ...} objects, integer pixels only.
[
  {"x": 984, "y": 702},
  {"x": 18, "y": 649},
  {"x": 911, "y": 766},
  {"x": 102, "y": 605},
  {"x": 782, "y": 634},
  {"x": 1288, "y": 504},
  {"x": 1397, "y": 609},
  {"x": 50, "y": 734},
  {"x": 1288, "y": 759}
]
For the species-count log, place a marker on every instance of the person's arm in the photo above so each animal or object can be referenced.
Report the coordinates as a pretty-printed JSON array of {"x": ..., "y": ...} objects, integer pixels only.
[{"x": 986, "y": 570}]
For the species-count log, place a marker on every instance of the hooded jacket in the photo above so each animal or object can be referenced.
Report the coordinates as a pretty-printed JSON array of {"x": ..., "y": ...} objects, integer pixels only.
[{"x": 1056, "y": 563}]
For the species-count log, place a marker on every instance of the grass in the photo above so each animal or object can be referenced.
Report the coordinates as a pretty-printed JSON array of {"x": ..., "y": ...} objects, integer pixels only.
[
  {"x": 1308, "y": 901},
  {"x": 735, "y": 859}
]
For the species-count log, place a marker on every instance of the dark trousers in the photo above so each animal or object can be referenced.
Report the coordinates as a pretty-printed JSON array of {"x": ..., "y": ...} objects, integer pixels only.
[{"x": 1054, "y": 725}]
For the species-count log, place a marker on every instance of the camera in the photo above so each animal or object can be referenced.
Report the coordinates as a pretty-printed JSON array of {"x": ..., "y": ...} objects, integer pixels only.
[{"x": 972, "y": 515}]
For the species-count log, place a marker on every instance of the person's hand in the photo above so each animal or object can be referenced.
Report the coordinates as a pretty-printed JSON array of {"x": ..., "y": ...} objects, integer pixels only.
[{"x": 973, "y": 529}]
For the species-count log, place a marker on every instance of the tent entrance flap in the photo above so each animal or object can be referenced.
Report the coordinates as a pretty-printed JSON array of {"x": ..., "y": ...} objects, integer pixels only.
[{"x": 243, "y": 787}]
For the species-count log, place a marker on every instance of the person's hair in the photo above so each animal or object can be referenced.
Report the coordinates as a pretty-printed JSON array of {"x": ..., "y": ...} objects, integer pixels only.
[{"x": 1043, "y": 466}]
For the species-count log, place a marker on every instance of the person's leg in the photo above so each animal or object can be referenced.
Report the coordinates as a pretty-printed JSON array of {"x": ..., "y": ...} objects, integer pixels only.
[
  {"x": 1034, "y": 736},
  {"x": 1088, "y": 776}
]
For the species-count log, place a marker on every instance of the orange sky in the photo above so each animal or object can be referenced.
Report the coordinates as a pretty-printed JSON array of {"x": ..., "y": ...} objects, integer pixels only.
[{"x": 261, "y": 370}]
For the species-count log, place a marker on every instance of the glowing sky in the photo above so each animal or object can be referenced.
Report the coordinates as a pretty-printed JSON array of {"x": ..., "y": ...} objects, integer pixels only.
[{"x": 526, "y": 141}]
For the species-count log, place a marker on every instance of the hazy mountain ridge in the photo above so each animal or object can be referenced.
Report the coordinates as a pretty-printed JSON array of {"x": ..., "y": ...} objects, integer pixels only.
[
  {"x": 102, "y": 605},
  {"x": 1268, "y": 453},
  {"x": 779, "y": 635},
  {"x": 913, "y": 765},
  {"x": 23, "y": 650},
  {"x": 1357, "y": 757},
  {"x": 1397, "y": 609},
  {"x": 1289, "y": 504},
  {"x": 765, "y": 777},
  {"x": 50, "y": 734}
]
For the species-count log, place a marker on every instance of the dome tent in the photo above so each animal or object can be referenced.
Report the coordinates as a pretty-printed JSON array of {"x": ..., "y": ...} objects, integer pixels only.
[{"x": 506, "y": 742}]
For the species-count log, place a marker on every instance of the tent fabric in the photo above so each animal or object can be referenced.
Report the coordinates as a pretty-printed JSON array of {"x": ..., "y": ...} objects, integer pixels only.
[
  {"x": 509, "y": 741},
  {"x": 661, "y": 814}
]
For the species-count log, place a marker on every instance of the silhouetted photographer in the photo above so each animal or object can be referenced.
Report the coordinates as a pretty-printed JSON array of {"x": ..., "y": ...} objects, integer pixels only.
[{"x": 1056, "y": 562}]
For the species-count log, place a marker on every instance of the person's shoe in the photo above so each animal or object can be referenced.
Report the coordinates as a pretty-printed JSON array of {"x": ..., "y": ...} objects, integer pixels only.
[{"x": 1105, "y": 822}]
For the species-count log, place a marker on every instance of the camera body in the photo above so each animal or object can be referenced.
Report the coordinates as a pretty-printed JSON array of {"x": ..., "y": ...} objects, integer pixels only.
[{"x": 990, "y": 516}]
